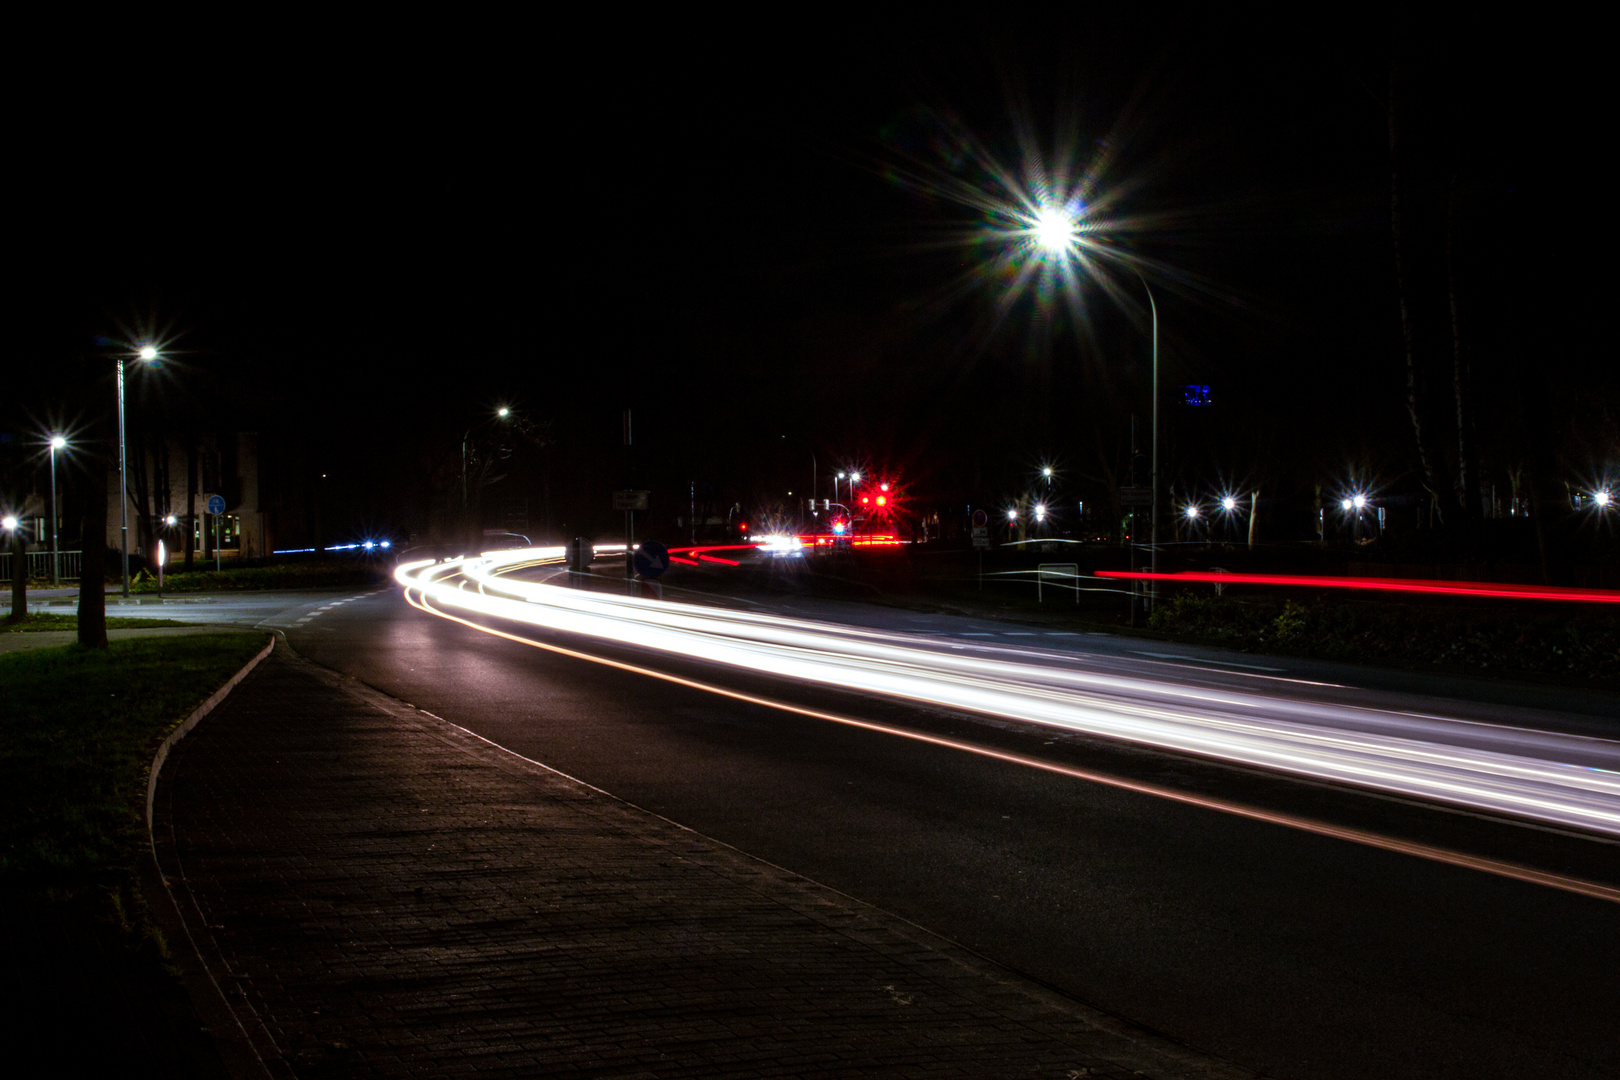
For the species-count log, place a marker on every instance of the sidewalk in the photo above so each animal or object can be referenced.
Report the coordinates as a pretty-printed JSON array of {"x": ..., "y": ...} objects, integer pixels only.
[{"x": 380, "y": 893}]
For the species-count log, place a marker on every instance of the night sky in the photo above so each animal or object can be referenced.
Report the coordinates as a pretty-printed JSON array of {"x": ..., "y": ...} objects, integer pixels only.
[{"x": 372, "y": 235}]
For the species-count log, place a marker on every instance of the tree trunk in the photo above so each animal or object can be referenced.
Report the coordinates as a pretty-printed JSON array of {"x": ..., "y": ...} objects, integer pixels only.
[
  {"x": 1398, "y": 231},
  {"x": 19, "y": 576},
  {"x": 191, "y": 495},
  {"x": 1468, "y": 476},
  {"x": 93, "y": 556}
]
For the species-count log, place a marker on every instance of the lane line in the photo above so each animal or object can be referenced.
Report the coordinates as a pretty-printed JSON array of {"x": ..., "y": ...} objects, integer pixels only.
[{"x": 1363, "y": 837}]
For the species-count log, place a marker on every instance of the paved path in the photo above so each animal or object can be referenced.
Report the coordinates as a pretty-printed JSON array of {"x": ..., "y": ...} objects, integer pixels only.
[{"x": 381, "y": 893}]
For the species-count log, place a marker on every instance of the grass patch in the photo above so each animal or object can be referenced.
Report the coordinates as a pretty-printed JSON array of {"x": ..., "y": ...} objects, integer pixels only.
[
  {"x": 77, "y": 735},
  {"x": 1553, "y": 640},
  {"x": 52, "y": 620},
  {"x": 299, "y": 575}
]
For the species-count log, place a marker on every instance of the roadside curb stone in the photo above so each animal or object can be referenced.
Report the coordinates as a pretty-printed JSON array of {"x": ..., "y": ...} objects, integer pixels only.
[{"x": 378, "y": 892}]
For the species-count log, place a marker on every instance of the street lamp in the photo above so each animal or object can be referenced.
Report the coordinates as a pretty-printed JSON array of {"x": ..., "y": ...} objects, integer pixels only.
[
  {"x": 501, "y": 413},
  {"x": 1056, "y": 232},
  {"x": 57, "y": 443},
  {"x": 146, "y": 354}
]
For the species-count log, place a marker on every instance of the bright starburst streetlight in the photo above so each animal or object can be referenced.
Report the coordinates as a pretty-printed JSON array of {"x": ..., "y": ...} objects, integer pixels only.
[
  {"x": 1228, "y": 503},
  {"x": 57, "y": 442},
  {"x": 1054, "y": 229},
  {"x": 146, "y": 354}
]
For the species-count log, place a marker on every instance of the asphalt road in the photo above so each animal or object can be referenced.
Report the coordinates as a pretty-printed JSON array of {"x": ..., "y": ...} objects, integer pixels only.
[{"x": 1291, "y": 953}]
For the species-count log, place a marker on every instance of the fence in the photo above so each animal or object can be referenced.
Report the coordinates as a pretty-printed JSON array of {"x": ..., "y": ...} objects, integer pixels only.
[{"x": 39, "y": 565}]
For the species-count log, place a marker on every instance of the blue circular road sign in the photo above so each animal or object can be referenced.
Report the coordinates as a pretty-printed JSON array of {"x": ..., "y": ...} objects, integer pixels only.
[
  {"x": 216, "y": 504},
  {"x": 652, "y": 559}
]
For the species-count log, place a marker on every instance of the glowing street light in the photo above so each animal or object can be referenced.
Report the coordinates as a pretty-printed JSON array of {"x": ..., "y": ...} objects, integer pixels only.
[
  {"x": 1054, "y": 229},
  {"x": 1057, "y": 232},
  {"x": 1229, "y": 503},
  {"x": 1040, "y": 512},
  {"x": 1603, "y": 499},
  {"x": 146, "y": 354},
  {"x": 56, "y": 443},
  {"x": 1191, "y": 512}
]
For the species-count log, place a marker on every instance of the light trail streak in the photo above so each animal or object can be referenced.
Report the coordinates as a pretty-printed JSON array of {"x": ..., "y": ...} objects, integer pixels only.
[
  {"x": 1407, "y": 585},
  {"x": 1363, "y": 837},
  {"x": 1554, "y": 779}
]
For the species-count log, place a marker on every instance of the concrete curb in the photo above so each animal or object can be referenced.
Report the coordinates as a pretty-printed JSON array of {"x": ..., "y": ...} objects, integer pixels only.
[
  {"x": 187, "y": 724},
  {"x": 230, "y": 1038}
]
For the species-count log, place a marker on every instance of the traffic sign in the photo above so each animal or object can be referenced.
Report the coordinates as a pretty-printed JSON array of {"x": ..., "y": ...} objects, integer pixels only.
[
  {"x": 630, "y": 500},
  {"x": 652, "y": 559},
  {"x": 216, "y": 504},
  {"x": 1135, "y": 497},
  {"x": 980, "y": 520}
]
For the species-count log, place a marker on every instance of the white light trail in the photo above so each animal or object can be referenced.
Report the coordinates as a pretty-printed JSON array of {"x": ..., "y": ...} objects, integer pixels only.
[{"x": 1558, "y": 779}]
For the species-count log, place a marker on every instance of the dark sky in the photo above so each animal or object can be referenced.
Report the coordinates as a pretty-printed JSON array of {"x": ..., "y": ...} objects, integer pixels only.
[{"x": 375, "y": 231}]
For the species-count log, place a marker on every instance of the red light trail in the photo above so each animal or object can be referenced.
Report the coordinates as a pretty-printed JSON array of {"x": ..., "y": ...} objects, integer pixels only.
[{"x": 1408, "y": 585}]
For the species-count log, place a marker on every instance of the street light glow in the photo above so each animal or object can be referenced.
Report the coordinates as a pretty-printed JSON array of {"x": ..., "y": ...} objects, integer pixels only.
[
  {"x": 1012, "y": 515},
  {"x": 1228, "y": 503},
  {"x": 147, "y": 353},
  {"x": 1054, "y": 229},
  {"x": 1040, "y": 512},
  {"x": 1603, "y": 499},
  {"x": 1191, "y": 512},
  {"x": 1359, "y": 502},
  {"x": 9, "y": 522},
  {"x": 57, "y": 442}
]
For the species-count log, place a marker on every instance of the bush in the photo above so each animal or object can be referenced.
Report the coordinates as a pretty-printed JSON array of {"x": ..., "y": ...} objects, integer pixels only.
[{"x": 1537, "y": 639}]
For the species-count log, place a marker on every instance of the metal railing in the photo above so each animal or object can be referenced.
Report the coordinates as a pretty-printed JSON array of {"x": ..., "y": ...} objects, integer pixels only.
[{"x": 39, "y": 565}]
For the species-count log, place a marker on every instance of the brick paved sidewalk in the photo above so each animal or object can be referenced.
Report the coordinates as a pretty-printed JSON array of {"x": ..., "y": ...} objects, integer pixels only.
[{"x": 381, "y": 893}]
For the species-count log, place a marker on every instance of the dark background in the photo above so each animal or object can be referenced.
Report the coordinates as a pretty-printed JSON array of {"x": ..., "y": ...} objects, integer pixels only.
[{"x": 365, "y": 236}]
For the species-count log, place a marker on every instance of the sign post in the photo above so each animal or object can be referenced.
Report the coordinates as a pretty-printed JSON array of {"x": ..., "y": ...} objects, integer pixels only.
[
  {"x": 981, "y": 540},
  {"x": 216, "y": 507},
  {"x": 630, "y": 502}
]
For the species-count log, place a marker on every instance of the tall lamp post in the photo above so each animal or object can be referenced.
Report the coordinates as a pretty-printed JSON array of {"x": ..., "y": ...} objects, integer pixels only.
[
  {"x": 1055, "y": 232},
  {"x": 146, "y": 354},
  {"x": 57, "y": 443},
  {"x": 504, "y": 412}
]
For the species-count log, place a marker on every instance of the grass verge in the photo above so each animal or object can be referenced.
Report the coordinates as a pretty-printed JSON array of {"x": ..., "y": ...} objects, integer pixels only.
[
  {"x": 77, "y": 735},
  {"x": 51, "y": 620},
  {"x": 300, "y": 575}
]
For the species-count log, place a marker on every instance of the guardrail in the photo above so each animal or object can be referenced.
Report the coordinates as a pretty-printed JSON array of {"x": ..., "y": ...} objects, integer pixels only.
[{"x": 39, "y": 565}]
